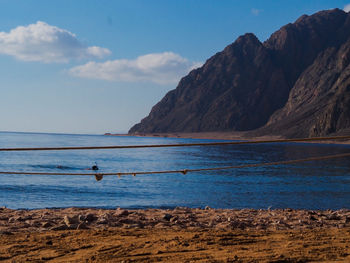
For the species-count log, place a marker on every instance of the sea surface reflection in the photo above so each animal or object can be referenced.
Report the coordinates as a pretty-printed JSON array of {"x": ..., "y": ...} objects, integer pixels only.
[{"x": 310, "y": 185}]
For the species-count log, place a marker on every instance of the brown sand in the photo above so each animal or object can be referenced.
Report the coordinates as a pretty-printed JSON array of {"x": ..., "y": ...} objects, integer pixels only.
[
  {"x": 168, "y": 245},
  {"x": 177, "y": 235}
]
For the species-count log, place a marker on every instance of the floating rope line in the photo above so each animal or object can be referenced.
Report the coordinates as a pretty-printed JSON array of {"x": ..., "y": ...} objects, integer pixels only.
[
  {"x": 173, "y": 145},
  {"x": 99, "y": 176}
]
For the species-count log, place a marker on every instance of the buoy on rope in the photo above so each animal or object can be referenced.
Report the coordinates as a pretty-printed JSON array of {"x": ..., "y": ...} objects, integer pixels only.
[{"x": 98, "y": 177}]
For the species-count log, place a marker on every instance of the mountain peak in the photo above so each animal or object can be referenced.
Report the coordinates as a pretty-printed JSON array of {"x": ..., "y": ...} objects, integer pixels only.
[{"x": 247, "y": 38}]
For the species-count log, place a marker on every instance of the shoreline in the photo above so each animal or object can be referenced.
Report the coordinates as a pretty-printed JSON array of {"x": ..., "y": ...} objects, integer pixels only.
[
  {"x": 74, "y": 218},
  {"x": 235, "y": 136}
]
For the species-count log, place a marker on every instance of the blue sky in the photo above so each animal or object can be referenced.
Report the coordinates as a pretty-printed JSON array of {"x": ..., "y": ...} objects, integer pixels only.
[{"x": 83, "y": 66}]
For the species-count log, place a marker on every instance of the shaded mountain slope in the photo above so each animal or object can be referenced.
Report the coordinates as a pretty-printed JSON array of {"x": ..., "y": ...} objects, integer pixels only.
[
  {"x": 319, "y": 103},
  {"x": 221, "y": 94}
]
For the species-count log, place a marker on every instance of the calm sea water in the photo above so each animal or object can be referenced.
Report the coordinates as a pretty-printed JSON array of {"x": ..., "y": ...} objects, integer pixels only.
[{"x": 309, "y": 185}]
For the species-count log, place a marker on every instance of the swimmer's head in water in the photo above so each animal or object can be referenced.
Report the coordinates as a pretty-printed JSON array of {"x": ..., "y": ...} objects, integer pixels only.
[{"x": 94, "y": 167}]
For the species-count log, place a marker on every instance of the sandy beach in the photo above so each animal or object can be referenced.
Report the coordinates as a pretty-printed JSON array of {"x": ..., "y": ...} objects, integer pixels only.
[{"x": 174, "y": 235}]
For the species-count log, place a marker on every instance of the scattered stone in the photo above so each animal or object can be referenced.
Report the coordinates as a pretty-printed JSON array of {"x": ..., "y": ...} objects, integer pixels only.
[
  {"x": 81, "y": 218},
  {"x": 134, "y": 226},
  {"x": 59, "y": 227},
  {"x": 90, "y": 217},
  {"x": 82, "y": 226},
  {"x": 102, "y": 221},
  {"x": 69, "y": 221},
  {"x": 11, "y": 220},
  {"x": 121, "y": 212},
  {"x": 333, "y": 216},
  {"x": 174, "y": 219},
  {"x": 46, "y": 224},
  {"x": 167, "y": 217},
  {"x": 180, "y": 217}
]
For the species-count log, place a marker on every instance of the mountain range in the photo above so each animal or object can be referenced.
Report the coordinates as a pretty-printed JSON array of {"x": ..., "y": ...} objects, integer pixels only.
[{"x": 295, "y": 84}]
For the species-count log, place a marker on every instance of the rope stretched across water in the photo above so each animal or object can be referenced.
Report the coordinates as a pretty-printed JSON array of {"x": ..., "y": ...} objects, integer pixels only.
[
  {"x": 173, "y": 145},
  {"x": 185, "y": 171}
]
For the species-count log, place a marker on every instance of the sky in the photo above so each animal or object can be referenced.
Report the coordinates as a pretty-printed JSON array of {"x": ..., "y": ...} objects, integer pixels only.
[{"x": 96, "y": 66}]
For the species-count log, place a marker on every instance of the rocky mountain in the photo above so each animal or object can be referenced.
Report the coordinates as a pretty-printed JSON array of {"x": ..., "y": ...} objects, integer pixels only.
[
  {"x": 319, "y": 103},
  {"x": 295, "y": 84}
]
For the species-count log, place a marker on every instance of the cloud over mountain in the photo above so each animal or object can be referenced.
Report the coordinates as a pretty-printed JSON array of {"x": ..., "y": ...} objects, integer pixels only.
[
  {"x": 45, "y": 43},
  {"x": 161, "y": 68},
  {"x": 347, "y": 8}
]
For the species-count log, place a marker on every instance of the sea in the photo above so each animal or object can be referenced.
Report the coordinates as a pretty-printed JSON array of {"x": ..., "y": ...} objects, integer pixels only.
[{"x": 309, "y": 185}]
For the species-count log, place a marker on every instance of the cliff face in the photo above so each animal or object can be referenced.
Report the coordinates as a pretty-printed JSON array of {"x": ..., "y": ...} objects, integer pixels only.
[
  {"x": 279, "y": 83},
  {"x": 319, "y": 103}
]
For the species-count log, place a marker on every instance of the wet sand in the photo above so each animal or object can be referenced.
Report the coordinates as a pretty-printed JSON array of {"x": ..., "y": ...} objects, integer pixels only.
[{"x": 176, "y": 235}]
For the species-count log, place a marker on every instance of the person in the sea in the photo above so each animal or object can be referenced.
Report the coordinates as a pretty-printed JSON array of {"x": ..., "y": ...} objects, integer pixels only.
[{"x": 94, "y": 167}]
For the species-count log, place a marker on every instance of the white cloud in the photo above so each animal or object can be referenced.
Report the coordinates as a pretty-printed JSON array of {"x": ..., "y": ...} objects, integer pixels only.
[
  {"x": 347, "y": 8},
  {"x": 45, "y": 43},
  {"x": 161, "y": 68},
  {"x": 255, "y": 11}
]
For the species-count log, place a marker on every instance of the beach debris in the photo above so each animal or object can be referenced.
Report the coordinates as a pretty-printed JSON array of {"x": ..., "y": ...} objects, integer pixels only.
[{"x": 121, "y": 212}]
